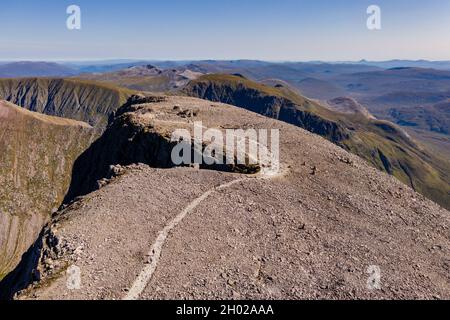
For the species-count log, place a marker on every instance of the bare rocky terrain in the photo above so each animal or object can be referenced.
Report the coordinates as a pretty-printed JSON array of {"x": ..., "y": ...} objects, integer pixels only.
[{"x": 311, "y": 232}]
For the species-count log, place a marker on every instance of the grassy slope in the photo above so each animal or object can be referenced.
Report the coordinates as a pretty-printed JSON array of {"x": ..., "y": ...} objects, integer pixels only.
[
  {"x": 38, "y": 149},
  {"x": 379, "y": 142},
  {"x": 37, "y": 153},
  {"x": 83, "y": 100}
]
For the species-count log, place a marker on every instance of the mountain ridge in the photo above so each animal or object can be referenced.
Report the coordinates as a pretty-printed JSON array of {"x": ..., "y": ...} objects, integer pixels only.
[
  {"x": 82, "y": 100},
  {"x": 383, "y": 144}
]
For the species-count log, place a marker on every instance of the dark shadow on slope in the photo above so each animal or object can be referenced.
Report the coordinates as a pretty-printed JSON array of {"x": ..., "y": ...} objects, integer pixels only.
[
  {"x": 25, "y": 273},
  {"x": 273, "y": 106},
  {"x": 126, "y": 141},
  {"x": 123, "y": 143}
]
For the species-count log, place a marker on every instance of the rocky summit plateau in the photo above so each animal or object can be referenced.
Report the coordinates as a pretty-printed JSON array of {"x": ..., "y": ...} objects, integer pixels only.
[{"x": 132, "y": 225}]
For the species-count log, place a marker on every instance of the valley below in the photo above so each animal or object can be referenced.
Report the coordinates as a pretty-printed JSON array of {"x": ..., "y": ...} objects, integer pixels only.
[{"x": 37, "y": 155}]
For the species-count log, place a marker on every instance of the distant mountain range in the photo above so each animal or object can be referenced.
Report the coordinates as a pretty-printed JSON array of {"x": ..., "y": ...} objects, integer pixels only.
[
  {"x": 413, "y": 94},
  {"x": 35, "y": 69},
  {"x": 41, "y": 69},
  {"x": 444, "y": 65}
]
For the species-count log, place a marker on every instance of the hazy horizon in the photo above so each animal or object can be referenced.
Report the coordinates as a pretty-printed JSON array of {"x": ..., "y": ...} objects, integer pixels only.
[{"x": 126, "y": 60}]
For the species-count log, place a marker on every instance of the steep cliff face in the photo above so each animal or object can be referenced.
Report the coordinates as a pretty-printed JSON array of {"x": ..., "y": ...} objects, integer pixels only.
[
  {"x": 134, "y": 135},
  {"x": 81, "y": 100},
  {"x": 381, "y": 143},
  {"x": 277, "y": 103},
  {"x": 37, "y": 153},
  {"x": 126, "y": 140}
]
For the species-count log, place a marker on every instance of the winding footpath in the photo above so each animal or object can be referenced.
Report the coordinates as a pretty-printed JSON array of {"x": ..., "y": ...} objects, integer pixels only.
[{"x": 268, "y": 171}]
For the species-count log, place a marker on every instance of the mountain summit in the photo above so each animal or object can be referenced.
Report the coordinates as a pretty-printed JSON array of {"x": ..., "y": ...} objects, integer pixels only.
[{"x": 310, "y": 232}]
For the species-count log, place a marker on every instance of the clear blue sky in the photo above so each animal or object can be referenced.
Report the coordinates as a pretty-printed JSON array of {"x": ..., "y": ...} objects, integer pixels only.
[{"x": 229, "y": 29}]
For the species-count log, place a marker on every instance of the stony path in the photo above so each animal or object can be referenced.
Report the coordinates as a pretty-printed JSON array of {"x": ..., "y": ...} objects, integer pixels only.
[
  {"x": 268, "y": 171},
  {"x": 155, "y": 252}
]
